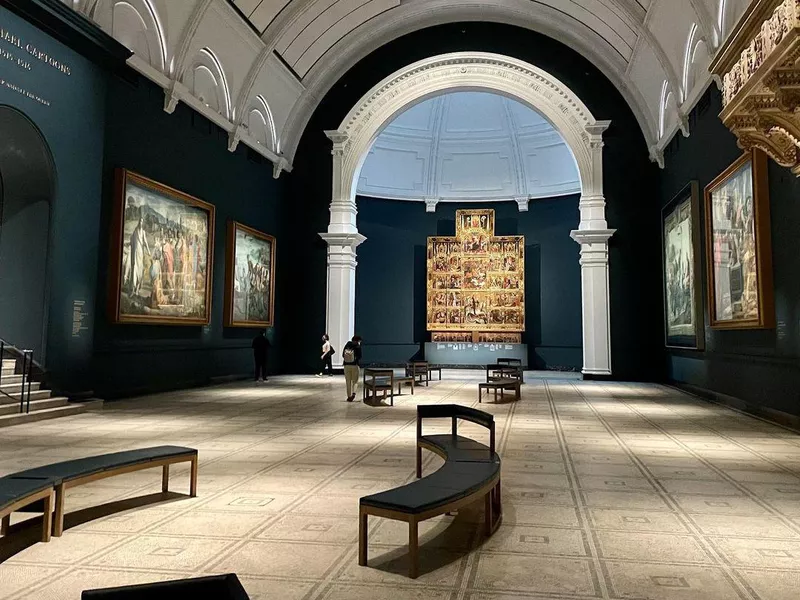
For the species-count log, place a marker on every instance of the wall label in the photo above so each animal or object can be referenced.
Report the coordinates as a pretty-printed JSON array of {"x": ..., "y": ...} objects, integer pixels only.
[
  {"x": 80, "y": 318},
  {"x": 22, "y": 55}
]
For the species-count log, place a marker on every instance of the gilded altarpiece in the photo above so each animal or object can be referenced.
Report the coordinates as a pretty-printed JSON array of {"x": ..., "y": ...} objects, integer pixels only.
[{"x": 476, "y": 282}]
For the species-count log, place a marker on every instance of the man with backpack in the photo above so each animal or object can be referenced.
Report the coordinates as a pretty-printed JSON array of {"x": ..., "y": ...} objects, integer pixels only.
[{"x": 351, "y": 357}]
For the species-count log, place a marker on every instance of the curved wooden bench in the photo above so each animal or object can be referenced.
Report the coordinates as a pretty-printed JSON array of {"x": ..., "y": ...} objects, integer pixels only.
[
  {"x": 60, "y": 476},
  {"x": 19, "y": 493},
  {"x": 471, "y": 471}
]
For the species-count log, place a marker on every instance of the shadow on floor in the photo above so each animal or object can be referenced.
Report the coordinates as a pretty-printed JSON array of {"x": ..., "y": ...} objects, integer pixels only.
[
  {"x": 446, "y": 544},
  {"x": 25, "y": 534}
]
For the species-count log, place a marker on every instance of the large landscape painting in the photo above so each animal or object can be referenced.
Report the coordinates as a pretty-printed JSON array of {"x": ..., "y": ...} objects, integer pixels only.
[
  {"x": 738, "y": 246},
  {"x": 250, "y": 280},
  {"x": 683, "y": 309},
  {"x": 162, "y": 247}
]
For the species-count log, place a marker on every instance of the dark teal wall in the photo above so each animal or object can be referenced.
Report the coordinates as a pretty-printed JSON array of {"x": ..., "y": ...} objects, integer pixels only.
[
  {"x": 634, "y": 255},
  {"x": 72, "y": 126},
  {"x": 185, "y": 151},
  {"x": 391, "y": 276},
  {"x": 759, "y": 366}
]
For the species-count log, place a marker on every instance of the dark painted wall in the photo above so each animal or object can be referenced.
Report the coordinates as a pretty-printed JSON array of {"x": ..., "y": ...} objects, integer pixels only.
[
  {"x": 758, "y": 366},
  {"x": 392, "y": 273},
  {"x": 72, "y": 125},
  {"x": 185, "y": 151},
  {"x": 637, "y": 346}
]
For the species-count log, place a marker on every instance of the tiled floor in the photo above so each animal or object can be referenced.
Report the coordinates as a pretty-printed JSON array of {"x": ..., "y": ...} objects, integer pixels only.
[{"x": 610, "y": 491}]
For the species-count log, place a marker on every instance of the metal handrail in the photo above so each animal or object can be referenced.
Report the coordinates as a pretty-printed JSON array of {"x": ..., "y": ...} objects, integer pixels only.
[{"x": 27, "y": 374}]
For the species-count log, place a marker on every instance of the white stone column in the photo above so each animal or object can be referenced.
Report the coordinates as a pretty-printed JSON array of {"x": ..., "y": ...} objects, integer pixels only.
[
  {"x": 343, "y": 239},
  {"x": 595, "y": 300},
  {"x": 340, "y": 307}
]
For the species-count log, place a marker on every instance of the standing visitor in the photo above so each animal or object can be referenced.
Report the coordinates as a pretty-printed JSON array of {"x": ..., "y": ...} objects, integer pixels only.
[
  {"x": 260, "y": 346},
  {"x": 351, "y": 357},
  {"x": 327, "y": 356}
]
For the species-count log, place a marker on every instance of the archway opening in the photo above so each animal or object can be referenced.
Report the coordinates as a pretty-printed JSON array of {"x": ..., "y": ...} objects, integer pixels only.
[
  {"x": 469, "y": 150},
  {"x": 26, "y": 195},
  {"x": 473, "y": 71}
]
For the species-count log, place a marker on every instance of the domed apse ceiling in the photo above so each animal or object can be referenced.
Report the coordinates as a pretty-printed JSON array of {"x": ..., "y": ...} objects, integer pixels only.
[{"x": 469, "y": 147}]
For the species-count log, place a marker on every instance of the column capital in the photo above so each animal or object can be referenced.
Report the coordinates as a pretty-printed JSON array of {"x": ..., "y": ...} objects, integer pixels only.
[
  {"x": 343, "y": 240},
  {"x": 430, "y": 204},
  {"x": 598, "y": 129},
  {"x": 592, "y": 236},
  {"x": 339, "y": 139},
  {"x": 522, "y": 203}
]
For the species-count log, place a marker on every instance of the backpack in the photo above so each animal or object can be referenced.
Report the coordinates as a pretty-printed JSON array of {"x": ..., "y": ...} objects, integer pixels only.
[{"x": 349, "y": 355}]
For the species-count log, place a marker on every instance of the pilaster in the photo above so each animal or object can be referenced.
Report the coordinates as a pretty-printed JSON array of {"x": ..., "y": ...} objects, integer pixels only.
[
  {"x": 595, "y": 299},
  {"x": 341, "y": 294}
]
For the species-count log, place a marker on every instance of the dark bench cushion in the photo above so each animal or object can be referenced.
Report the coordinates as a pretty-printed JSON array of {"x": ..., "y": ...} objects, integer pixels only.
[
  {"x": 218, "y": 587},
  {"x": 461, "y": 449},
  {"x": 455, "y": 480},
  {"x": 12, "y": 489},
  {"x": 81, "y": 467}
]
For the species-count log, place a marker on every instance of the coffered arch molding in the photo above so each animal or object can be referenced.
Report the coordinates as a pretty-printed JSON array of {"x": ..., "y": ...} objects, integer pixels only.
[
  {"x": 419, "y": 15},
  {"x": 473, "y": 71}
]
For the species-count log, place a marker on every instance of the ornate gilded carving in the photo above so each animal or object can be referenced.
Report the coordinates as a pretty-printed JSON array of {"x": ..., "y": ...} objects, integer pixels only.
[
  {"x": 761, "y": 82},
  {"x": 476, "y": 280}
]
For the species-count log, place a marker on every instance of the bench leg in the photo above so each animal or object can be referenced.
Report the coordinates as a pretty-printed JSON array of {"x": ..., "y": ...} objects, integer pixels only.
[
  {"x": 165, "y": 479},
  {"x": 5, "y": 525},
  {"x": 488, "y": 509},
  {"x": 419, "y": 462},
  {"x": 58, "y": 525},
  {"x": 47, "y": 518},
  {"x": 413, "y": 549},
  {"x": 193, "y": 479},
  {"x": 362, "y": 539}
]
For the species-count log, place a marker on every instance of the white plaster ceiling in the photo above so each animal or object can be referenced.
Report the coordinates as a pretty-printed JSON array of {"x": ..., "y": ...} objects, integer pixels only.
[
  {"x": 259, "y": 68},
  {"x": 469, "y": 146}
]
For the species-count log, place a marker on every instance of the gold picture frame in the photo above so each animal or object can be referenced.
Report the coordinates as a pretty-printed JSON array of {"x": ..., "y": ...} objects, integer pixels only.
[
  {"x": 739, "y": 247},
  {"x": 682, "y": 270},
  {"x": 161, "y": 255},
  {"x": 242, "y": 244}
]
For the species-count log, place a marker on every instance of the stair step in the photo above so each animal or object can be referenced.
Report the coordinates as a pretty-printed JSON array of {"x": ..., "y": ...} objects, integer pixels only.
[
  {"x": 36, "y": 405},
  {"x": 14, "y": 386},
  {"x": 8, "y": 372},
  {"x": 15, "y": 397},
  {"x": 9, "y": 379},
  {"x": 9, "y": 363},
  {"x": 73, "y": 408}
]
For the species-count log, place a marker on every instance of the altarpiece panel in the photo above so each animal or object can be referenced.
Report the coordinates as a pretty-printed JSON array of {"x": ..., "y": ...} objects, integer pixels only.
[{"x": 476, "y": 282}]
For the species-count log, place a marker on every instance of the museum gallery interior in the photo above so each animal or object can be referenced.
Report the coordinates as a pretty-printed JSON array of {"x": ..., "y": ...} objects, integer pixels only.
[{"x": 442, "y": 299}]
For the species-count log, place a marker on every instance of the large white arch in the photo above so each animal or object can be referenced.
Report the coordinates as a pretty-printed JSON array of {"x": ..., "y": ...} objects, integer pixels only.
[{"x": 481, "y": 71}]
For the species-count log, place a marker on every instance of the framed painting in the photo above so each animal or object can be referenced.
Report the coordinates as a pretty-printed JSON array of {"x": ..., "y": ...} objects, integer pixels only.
[
  {"x": 684, "y": 325},
  {"x": 161, "y": 254},
  {"x": 250, "y": 277},
  {"x": 739, "y": 247}
]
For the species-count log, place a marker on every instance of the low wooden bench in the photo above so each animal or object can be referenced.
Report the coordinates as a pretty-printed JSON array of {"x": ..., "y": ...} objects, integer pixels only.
[
  {"x": 501, "y": 385},
  {"x": 419, "y": 371},
  {"x": 504, "y": 371},
  {"x": 61, "y": 476},
  {"x": 378, "y": 380},
  {"x": 19, "y": 493},
  {"x": 471, "y": 471},
  {"x": 402, "y": 380}
]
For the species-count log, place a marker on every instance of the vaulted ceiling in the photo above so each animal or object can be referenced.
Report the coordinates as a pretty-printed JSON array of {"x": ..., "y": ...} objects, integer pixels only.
[
  {"x": 466, "y": 147},
  {"x": 260, "y": 67}
]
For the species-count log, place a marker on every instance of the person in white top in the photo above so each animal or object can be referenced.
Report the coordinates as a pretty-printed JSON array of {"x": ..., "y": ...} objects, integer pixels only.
[{"x": 327, "y": 357}]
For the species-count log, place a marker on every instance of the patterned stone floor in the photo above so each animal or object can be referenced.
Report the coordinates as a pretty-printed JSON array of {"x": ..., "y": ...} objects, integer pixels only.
[{"x": 610, "y": 491}]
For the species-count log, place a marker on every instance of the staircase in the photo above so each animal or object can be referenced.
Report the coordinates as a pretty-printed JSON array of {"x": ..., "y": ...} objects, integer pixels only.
[{"x": 43, "y": 405}]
